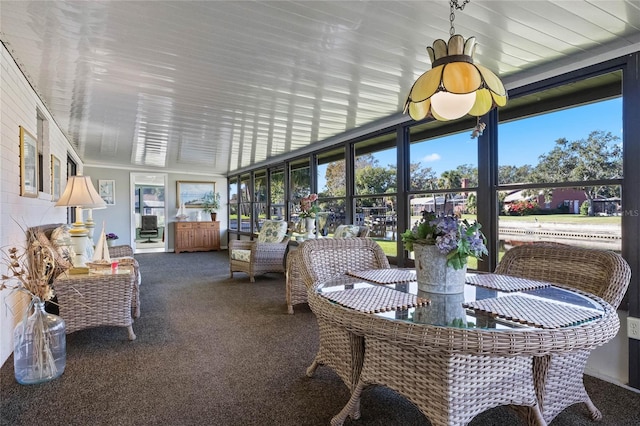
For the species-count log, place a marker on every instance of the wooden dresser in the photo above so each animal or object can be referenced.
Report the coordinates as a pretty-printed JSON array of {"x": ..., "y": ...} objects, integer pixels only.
[{"x": 197, "y": 236}]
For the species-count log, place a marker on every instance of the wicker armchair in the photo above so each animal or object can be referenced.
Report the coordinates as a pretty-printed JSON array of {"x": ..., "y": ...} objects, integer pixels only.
[
  {"x": 602, "y": 273},
  {"x": 321, "y": 260},
  {"x": 296, "y": 291},
  {"x": 266, "y": 254}
]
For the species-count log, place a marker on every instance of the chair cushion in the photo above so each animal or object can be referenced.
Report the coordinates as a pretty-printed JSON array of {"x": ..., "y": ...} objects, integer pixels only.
[
  {"x": 273, "y": 231},
  {"x": 241, "y": 255},
  {"x": 346, "y": 231}
]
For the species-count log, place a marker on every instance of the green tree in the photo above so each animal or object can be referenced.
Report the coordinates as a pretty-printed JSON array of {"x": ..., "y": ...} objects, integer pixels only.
[
  {"x": 336, "y": 180},
  {"x": 422, "y": 177},
  {"x": 449, "y": 179},
  {"x": 598, "y": 157},
  {"x": 468, "y": 172},
  {"x": 513, "y": 174},
  {"x": 276, "y": 187},
  {"x": 375, "y": 180}
]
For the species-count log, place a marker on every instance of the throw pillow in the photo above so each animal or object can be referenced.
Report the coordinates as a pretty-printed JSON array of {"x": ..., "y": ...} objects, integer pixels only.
[
  {"x": 62, "y": 263},
  {"x": 272, "y": 231},
  {"x": 346, "y": 231},
  {"x": 63, "y": 245}
]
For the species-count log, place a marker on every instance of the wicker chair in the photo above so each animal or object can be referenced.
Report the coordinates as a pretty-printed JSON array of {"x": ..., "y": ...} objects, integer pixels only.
[
  {"x": 321, "y": 260},
  {"x": 296, "y": 291},
  {"x": 602, "y": 273},
  {"x": 266, "y": 254}
]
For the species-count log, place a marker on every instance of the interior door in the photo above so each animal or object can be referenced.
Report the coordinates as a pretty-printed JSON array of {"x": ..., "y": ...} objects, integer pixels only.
[{"x": 149, "y": 198}]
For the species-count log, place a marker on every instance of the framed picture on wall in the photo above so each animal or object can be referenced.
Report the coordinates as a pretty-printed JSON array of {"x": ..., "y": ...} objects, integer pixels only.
[
  {"x": 28, "y": 164},
  {"x": 56, "y": 176},
  {"x": 107, "y": 190},
  {"x": 192, "y": 194}
]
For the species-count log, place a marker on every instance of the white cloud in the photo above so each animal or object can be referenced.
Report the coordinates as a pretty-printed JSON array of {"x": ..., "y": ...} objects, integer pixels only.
[{"x": 431, "y": 158}]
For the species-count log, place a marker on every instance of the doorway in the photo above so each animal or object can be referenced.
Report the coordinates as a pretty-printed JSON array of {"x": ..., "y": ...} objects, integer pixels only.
[{"x": 149, "y": 212}]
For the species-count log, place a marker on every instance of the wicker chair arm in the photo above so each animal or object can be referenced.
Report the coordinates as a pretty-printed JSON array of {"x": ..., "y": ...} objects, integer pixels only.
[
  {"x": 240, "y": 245},
  {"x": 121, "y": 251},
  {"x": 269, "y": 250}
]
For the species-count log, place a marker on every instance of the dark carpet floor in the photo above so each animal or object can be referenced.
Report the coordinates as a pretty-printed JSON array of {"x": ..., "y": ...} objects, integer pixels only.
[{"x": 218, "y": 351}]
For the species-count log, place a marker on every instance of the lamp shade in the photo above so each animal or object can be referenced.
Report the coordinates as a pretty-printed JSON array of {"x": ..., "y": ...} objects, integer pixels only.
[
  {"x": 80, "y": 192},
  {"x": 454, "y": 86}
]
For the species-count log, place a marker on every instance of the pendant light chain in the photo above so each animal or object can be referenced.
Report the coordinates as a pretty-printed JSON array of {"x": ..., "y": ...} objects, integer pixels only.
[{"x": 453, "y": 4}]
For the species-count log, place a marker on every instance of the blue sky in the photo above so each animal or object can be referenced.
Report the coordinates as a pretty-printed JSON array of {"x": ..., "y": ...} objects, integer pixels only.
[{"x": 521, "y": 141}]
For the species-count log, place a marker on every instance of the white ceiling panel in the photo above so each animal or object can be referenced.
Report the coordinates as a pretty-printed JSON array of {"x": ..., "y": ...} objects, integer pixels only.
[{"x": 213, "y": 86}]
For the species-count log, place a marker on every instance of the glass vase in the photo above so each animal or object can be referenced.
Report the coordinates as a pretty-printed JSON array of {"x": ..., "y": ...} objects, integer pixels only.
[{"x": 39, "y": 351}]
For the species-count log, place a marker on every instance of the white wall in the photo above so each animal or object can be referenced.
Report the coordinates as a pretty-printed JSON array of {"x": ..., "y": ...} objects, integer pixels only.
[
  {"x": 118, "y": 217},
  {"x": 18, "y": 105},
  {"x": 611, "y": 361}
]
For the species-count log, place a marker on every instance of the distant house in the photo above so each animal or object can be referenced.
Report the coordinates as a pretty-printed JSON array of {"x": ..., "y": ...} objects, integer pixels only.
[
  {"x": 571, "y": 198},
  {"x": 455, "y": 204}
]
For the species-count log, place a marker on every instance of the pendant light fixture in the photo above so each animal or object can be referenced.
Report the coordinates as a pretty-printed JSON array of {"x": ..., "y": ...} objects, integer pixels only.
[{"x": 455, "y": 86}]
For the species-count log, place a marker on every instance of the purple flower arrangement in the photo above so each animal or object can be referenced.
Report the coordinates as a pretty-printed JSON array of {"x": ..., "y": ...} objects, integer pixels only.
[
  {"x": 111, "y": 236},
  {"x": 457, "y": 238}
]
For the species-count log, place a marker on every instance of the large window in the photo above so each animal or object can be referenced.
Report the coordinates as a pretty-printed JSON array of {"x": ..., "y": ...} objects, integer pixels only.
[
  {"x": 375, "y": 180},
  {"x": 551, "y": 170},
  {"x": 233, "y": 204},
  {"x": 276, "y": 194},
  {"x": 260, "y": 192},
  {"x": 444, "y": 162},
  {"x": 299, "y": 185},
  {"x": 332, "y": 190},
  {"x": 560, "y": 171},
  {"x": 245, "y": 203}
]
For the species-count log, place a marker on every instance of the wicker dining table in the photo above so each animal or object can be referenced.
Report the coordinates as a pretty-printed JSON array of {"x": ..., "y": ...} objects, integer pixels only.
[{"x": 453, "y": 356}]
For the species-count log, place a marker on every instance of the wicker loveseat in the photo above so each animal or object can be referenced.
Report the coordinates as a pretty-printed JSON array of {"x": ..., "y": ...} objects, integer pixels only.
[{"x": 87, "y": 300}]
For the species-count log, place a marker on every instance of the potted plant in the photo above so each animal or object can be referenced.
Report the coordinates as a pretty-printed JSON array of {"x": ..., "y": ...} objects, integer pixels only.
[
  {"x": 442, "y": 246},
  {"x": 307, "y": 210},
  {"x": 111, "y": 237},
  {"x": 211, "y": 203}
]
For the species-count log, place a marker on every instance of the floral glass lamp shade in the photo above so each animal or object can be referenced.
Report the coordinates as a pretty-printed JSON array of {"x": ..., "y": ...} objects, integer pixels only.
[
  {"x": 81, "y": 194},
  {"x": 454, "y": 86}
]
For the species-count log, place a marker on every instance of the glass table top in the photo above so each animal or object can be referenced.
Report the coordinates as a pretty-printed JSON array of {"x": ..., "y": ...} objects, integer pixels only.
[{"x": 477, "y": 307}]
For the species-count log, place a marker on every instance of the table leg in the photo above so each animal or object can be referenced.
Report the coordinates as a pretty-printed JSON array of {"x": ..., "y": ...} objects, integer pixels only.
[{"x": 351, "y": 409}]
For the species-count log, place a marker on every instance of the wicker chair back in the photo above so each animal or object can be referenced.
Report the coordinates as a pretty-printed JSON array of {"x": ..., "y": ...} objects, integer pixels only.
[
  {"x": 325, "y": 258},
  {"x": 603, "y": 273}
]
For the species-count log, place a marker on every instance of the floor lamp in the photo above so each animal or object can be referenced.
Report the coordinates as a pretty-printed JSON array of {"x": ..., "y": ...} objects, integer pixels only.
[{"x": 81, "y": 194}]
